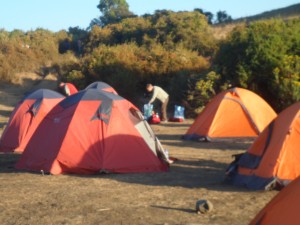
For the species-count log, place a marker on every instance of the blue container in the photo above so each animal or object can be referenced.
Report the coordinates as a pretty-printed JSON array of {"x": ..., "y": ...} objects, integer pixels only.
[
  {"x": 179, "y": 112},
  {"x": 148, "y": 108}
]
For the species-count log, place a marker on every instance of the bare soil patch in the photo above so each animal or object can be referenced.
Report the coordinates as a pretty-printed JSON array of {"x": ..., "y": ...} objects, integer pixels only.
[{"x": 146, "y": 198}]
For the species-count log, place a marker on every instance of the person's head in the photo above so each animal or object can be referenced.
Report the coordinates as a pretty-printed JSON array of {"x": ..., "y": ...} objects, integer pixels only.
[{"x": 149, "y": 87}]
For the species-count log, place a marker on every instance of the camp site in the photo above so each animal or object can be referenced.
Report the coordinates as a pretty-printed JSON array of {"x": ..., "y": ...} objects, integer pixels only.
[{"x": 170, "y": 118}]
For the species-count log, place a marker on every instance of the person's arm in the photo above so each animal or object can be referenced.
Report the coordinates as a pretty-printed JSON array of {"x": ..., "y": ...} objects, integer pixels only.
[{"x": 153, "y": 96}]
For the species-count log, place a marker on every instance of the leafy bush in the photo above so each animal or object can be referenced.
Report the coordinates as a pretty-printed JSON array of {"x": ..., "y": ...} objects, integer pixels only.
[
  {"x": 286, "y": 84},
  {"x": 202, "y": 88},
  {"x": 188, "y": 29},
  {"x": 27, "y": 51},
  {"x": 172, "y": 50},
  {"x": 77, "y": 78},
  {"x": 129, "y": 67},
  {"x": 250, "y": 56}
]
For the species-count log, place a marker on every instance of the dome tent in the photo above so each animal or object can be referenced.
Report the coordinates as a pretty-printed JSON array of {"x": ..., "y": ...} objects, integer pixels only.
[
  {"x": 25, "y": 118},
  {"x": 102, "y": 86},
  {"x": 234, "y": 113},
  {"x": 91, "y": 132},
  {"x": 283, "y": 208},
  {"x": 274, "y": 158}
]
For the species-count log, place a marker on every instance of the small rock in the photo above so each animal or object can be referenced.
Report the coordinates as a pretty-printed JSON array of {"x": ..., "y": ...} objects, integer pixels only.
[{"x": 203, "y": 206}]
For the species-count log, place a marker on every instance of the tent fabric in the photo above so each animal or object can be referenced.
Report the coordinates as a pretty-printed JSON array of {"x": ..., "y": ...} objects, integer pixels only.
[
  {"x": 71, "y": 139},
  {"x": 283, "y": 208},
  {"x": 70, "y": 89},
  {"x": 26, "y": 116},
  {"x": 102, "y": 86},
  {"x": 42, "y": 94},
  {"x": 234, "y": 113},
  {"x": 274, "y": 155}
]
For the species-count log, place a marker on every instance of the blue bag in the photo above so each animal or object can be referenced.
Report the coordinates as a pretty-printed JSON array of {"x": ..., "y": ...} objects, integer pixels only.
[
  {"x": 179, "y": 112},
  {"x": 148, "y": 108}
]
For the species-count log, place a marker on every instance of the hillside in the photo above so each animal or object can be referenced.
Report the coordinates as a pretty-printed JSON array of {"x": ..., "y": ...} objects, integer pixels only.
[
  {"x": 220, "y": 31},
  {"x": 11, "y": 94},
  {"x": 284, "y": 13}
]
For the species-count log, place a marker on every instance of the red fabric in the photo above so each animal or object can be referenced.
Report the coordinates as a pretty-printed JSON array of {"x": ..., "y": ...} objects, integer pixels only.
[
  {"x": 22, "y": 124},
  {"x": 72, "y": 89},
  {"x": 173, "y": 119},
  {"x": 70, "y": 141},
  {"x": 154, "y": 119}
]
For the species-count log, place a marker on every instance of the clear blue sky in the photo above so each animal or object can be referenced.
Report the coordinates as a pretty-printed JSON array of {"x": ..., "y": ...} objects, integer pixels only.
[{"x": 56, "y": 15}]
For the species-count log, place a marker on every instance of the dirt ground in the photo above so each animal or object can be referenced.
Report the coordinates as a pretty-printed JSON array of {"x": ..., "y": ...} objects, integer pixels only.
[{"x": 147, "y": 198}]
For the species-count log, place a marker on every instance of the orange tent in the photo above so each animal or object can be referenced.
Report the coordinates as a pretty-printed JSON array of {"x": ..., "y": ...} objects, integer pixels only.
[
  {"x": 283, "y": 208},
  {"x": 274, "y": 157},
  {"x": 233, "y": 113},
  {"x": 25, "y": 118}
]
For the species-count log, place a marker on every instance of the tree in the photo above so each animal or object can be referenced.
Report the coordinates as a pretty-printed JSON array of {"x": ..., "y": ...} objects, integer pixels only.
[
  {"x": 223, "y": 17},
  {"x": 113, "y": 11},
  {"x": 209, "y": 15}
]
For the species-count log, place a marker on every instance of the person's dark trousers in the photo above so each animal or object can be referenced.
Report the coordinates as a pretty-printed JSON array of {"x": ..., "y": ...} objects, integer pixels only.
[{"x": 164, "y": 106}]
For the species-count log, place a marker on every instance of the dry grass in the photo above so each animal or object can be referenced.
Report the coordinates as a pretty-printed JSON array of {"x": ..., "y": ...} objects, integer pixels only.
[
  {"x": 153, "y": 198},
  {"x": 221, "y": 32}
]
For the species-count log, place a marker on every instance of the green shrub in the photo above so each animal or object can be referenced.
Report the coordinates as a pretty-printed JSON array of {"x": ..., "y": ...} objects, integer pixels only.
[
  {"x": 202, "y": 88},
  {"x": 187, "y": 29},
  {"x": 129, "y": 67},
  {"x": 250, "y": 56},
  {"x": 77, "y": 78},
  {"x": 27, "y": 52},
  {"x": 287, "y": 81}
]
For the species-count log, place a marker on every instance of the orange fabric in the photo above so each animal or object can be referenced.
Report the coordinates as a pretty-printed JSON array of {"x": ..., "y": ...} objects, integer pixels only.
[
  {"x": 288, "y": 166},
  {"x": 260, "y": 111},
  {"x": 233, "y": 113},
  {"x": 283, "y": 208},
  {"x": 281, "y": 158},
  {"x": 231, "y": 121}
]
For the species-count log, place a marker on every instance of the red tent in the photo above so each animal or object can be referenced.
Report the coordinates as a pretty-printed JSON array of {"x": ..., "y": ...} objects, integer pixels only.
[
  {"x": 91, "y": 132},
  {"x": 102, "y": 87},
  {"x": 26, "y": 116}
]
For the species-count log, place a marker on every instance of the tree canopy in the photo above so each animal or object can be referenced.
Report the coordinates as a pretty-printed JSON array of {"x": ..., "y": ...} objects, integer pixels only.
[
  {"x": 176, "y": 50},
  {"x": 113, "y": 11}
]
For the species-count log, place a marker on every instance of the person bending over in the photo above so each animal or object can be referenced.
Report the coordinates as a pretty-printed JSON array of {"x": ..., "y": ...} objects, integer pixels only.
[{"x": 162, "y": 96}]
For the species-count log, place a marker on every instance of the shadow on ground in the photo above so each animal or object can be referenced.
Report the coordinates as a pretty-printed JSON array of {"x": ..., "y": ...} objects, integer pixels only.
[
  {"x": 8, "y": 161},
  {"x": 177, "y": 141},
  {"x": 208, "y": 174},
  {"x": 173, "y": 208}
]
